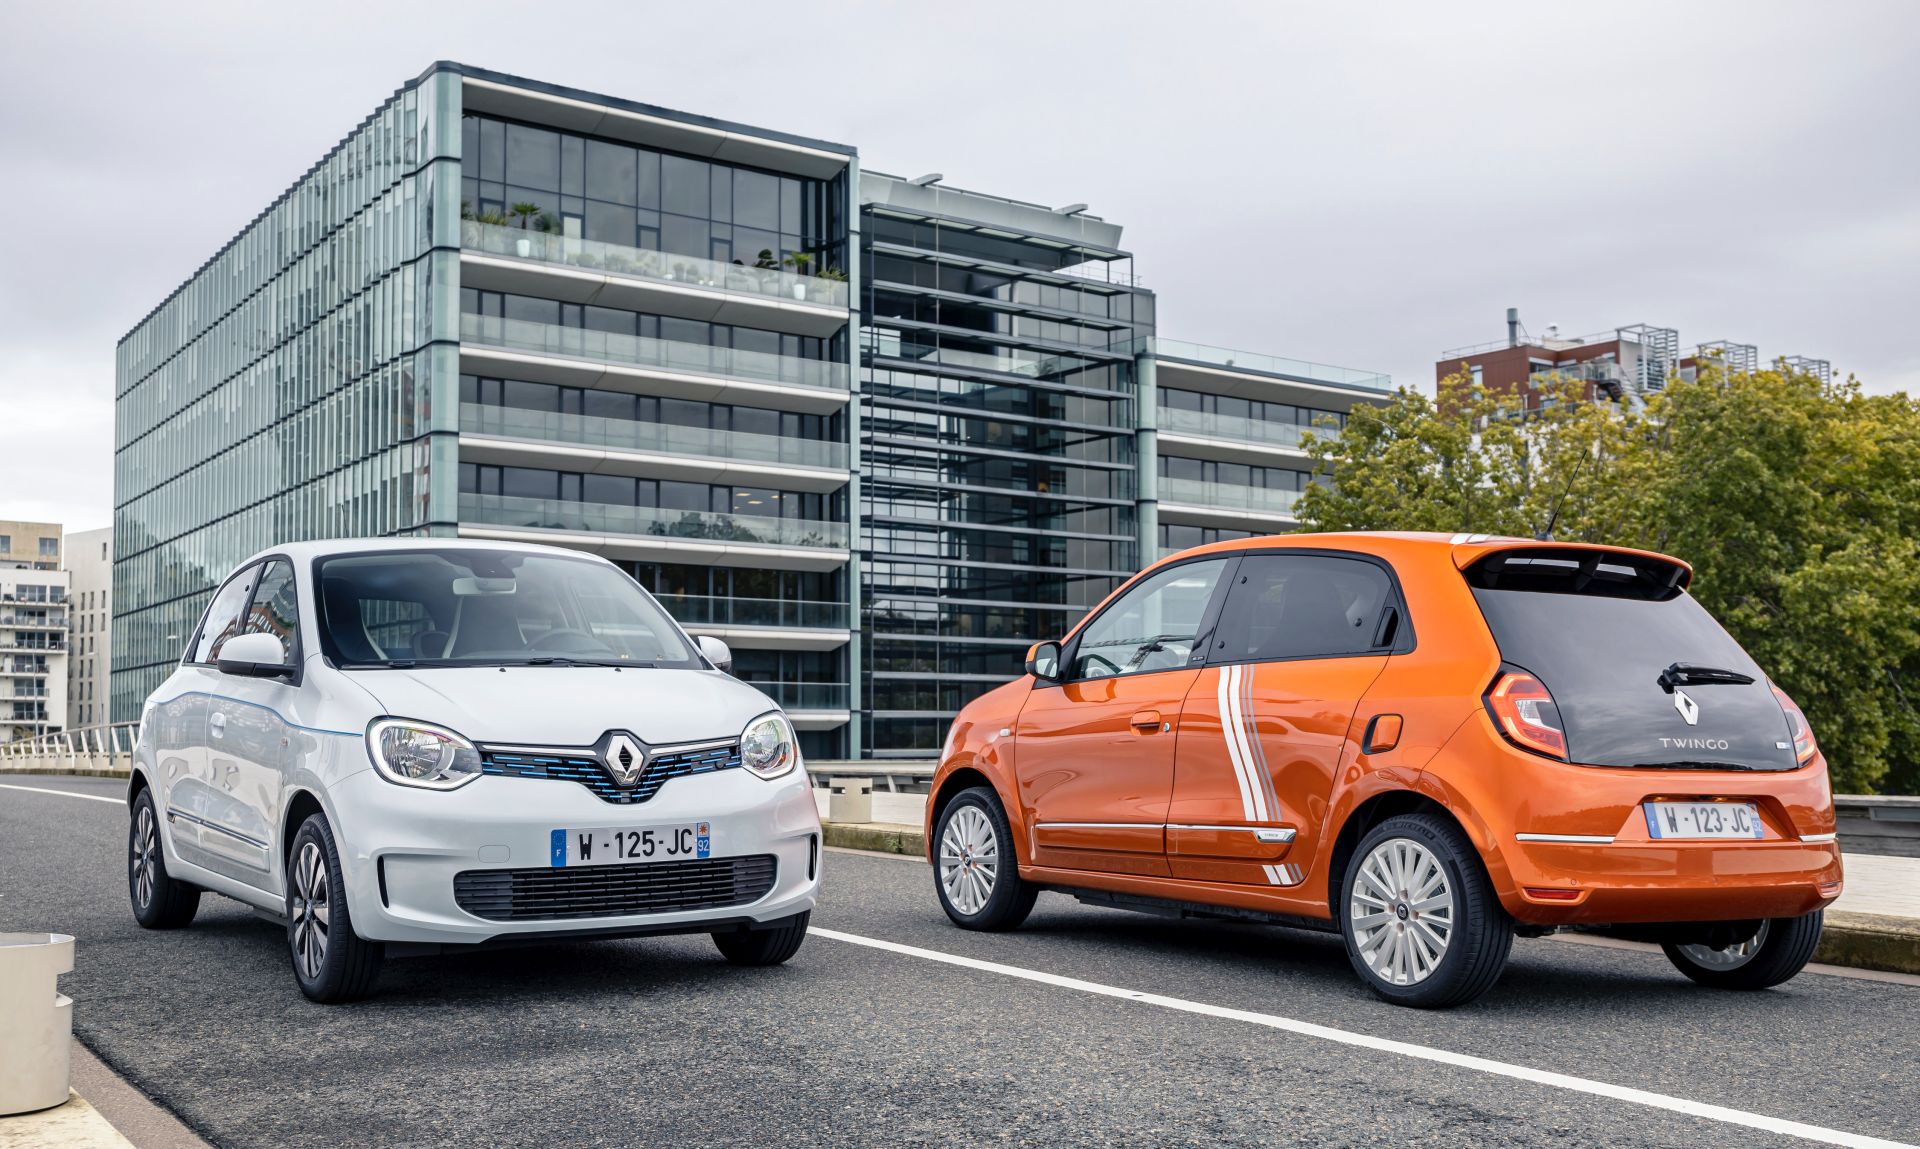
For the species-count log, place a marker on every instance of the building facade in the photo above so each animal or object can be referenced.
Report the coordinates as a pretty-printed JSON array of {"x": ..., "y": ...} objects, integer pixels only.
[
  {"x": 878, "y": 434},
  {"x": 89, "y": 559},
  {"x": 1623, "y": 365},
  {"x": 33, "y": 631}
]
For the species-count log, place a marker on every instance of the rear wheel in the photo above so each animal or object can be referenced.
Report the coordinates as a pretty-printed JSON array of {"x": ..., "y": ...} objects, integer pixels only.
[
  {"x": 330, "y": 961},
  {"x": 159, "y": 902},
  {"x": 975, "y": 871},
  {"x": 764, "y": 946},
  {"x": 1781, "y": 948},
  {"x": 1421, "y": 921}
]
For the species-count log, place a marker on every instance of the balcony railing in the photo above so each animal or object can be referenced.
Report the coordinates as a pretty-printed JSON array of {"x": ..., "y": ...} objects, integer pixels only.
[
  {"x": 806, "y": 695},
  {"x": 1228, "y": 496},
  {"x": 1260, "y": 364},
  {"x": 664, "y": 522},
  {"x": 1239, "y": 430},
  {"x": 32, "y": 622},
  {"x": 721, "y": 610},
  {"x": 658, "y": 266},
  {"x": 640, "y": 351},
  {"x": 627, "y": 434}
]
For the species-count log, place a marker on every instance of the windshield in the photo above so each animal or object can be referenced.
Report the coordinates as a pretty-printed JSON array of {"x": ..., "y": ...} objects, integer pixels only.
[{"x": 460, "y": 607}]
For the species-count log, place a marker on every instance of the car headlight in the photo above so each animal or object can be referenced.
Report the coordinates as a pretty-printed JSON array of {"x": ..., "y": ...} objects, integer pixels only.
[
  {"x": 767, "y": 747},
  {"x": 421, "y": 754}
]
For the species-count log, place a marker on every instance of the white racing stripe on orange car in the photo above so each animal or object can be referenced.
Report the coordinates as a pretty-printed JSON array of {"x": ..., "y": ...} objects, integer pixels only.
[
  {"x": 1229, "y": 730},
  {"x": 1257, "y": 797}
]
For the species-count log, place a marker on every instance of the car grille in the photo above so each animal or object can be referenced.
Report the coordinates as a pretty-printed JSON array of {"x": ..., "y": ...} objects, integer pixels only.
[
  {"x": 613, "y": 891},
  {"x": 582, "y": 767}
]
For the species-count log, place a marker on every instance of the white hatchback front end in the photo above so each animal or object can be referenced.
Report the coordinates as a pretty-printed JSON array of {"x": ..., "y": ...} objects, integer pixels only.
[{"x": 399, "y": 746}]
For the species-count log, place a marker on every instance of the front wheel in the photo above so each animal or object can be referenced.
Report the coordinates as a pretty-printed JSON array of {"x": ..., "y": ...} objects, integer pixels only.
[
  {"x": 1781, "y": 948},
  {"x": 159, "y": 902},
  {"x": 761, "y": 947},
  {"x": 330, "y": 961},
  {"x": 975, "y": 871},
  {"x": 1422, "y": 924}
]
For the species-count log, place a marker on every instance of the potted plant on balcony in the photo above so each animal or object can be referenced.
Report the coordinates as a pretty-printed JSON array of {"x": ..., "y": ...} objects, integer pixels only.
[
  {"x": 799, "y": 261},
  {"x": 525, "y": 212}
]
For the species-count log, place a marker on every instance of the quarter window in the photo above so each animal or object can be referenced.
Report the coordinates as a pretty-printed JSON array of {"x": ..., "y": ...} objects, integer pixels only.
[
  {"x": 1152, "y": 627},
  {"x": 276, "y": 608},
  {"x": 1303, "y": 606},
  {"x": 224, "y": 617}
]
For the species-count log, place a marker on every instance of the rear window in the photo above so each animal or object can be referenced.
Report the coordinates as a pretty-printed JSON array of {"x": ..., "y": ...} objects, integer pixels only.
[{"x": 1600, "y": 640}]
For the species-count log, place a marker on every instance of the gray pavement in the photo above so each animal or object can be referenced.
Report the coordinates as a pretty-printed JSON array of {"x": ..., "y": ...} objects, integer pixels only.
[{"x": 657, "y": 1042}]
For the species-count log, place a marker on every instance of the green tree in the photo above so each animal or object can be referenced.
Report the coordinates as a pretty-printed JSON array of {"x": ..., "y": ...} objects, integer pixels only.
[{"x": 1797, "y": 502}]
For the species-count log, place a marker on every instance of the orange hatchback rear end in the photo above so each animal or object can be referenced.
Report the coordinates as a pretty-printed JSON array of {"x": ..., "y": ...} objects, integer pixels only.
[{"x": 1426, "y": 743}]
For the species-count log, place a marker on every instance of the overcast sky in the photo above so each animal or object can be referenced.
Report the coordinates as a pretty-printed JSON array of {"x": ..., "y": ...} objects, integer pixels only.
[{"x": 1359, "y": 184}]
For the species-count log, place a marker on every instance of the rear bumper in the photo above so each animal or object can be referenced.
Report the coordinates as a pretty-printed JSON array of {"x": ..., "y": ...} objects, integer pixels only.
[{"x": 1618, "y": 873}]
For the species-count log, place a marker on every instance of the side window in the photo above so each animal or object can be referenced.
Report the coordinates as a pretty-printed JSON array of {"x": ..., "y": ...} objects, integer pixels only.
[
  {"x": 276, "y": 606},
  {"x": 1151, "y": 627},
  {"x": 1303, "y": 606},
  {"x": 224, "y": 616}
]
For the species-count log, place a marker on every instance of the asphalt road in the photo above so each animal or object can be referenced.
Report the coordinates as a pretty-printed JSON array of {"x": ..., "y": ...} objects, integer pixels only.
[{"x": 658, "y": 1043}]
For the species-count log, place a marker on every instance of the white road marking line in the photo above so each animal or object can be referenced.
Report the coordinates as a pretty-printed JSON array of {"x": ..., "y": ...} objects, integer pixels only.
[
  {"x": 1386, "y": 1045},
  {"x": 65, "y": 794}
]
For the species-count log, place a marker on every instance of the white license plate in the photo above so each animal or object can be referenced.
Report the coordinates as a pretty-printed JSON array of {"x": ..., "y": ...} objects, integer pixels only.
[
  {"x": 620, "y": 845},
  {"x": 1703, "y": 820}
]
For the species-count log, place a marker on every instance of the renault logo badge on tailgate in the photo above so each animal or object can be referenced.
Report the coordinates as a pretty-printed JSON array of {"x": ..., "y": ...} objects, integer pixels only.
[{"x": 1688, "y": 708}]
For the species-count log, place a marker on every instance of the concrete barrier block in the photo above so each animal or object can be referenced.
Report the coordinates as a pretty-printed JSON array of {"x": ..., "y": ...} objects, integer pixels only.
[{"x": 36, "y": 1021}]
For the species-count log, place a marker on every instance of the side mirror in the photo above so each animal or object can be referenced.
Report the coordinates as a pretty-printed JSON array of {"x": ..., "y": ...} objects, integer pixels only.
[
  {"x": 1043, "y": 661},
  {"x": 257, "y": 655},
  {"x": 716, "y": 652}
]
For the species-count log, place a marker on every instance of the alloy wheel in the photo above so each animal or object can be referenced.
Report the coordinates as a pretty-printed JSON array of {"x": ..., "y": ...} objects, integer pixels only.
[
  {"x": 142, "y": 859},
  {"x": 310, "y": 910},
  {"x": 1727, "y": 957},
  {"x": 969, "y": 859},
  {"x": 1401, "y": 911}
]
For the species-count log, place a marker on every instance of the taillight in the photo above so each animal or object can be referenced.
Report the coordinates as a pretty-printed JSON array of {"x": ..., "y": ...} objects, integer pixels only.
[
  {"x": 1525, "y": 713},
  {"x": 1803, "y": 747}
]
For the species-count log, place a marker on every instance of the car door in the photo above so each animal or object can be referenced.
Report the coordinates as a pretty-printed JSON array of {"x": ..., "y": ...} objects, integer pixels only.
[
  {"x": 191, "y": 789},
  {"x": 248, "y": 739},
  {"x": 1096, "y": 749},
  {"x": 1300, "y": 638}
]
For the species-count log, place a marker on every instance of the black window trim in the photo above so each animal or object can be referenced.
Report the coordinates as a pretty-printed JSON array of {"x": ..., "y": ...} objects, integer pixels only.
[
  {"x": 1403, "y": 637},
  {"x": 1202, "y": 638}
]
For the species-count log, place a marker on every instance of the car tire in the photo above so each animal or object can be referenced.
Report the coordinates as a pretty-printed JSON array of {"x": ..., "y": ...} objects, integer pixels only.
[
  {"x": 331, "y": 963},
  {"x": 159, "y": 902},
  {"x": 1422, "y": 924},
  {"x": 976, "y": 873},
  {"x": 765, "y": 946},
  {"x": 1780, "y": 950}
]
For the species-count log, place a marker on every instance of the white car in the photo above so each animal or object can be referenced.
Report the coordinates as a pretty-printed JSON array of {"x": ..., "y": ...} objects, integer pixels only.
[{"x": 404, "y": 745}]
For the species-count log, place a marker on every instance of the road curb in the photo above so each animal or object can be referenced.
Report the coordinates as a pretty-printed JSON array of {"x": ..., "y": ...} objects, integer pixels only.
[
  {"x": 879, "y": 837},
  {"x": 1870, "y": 941}
]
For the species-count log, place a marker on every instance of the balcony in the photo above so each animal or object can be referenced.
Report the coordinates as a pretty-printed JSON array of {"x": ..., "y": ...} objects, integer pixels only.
[
  {"x": 1227, "y": 505},
  {"x": 1200, "y": 435},
  {"x": 575, "y": 357},
  {"x": 658, "y": 533},
  {"x": 811, "y": 705},
  {"x": 32, "y": 622},
  {"x": 515, "y": 436},
  {"x": 577, "y": 270},
  {"x": 763, "y": 623}
]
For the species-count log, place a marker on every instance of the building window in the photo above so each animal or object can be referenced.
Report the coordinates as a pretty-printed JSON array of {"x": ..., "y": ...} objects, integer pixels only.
[{"x": 50, "y": 548}]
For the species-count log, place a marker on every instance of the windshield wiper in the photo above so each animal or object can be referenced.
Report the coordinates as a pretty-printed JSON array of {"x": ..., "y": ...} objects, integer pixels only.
[
  {"x": 379, "y": 664},
  {"x": 565, "y": 660},
  {"x": 1687, "y": 674}
]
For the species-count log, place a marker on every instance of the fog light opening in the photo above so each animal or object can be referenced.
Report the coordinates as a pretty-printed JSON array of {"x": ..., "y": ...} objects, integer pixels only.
[{"x": 1550, "y": 894}]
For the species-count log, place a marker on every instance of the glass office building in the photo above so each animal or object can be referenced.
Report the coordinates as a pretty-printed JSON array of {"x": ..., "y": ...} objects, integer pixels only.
[{"x": 878, "y": 434}]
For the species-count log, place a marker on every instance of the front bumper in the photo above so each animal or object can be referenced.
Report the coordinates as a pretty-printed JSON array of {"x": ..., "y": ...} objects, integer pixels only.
[
  {"x": 402, "y": 848},
  {"x": 1509, "y": 800}
]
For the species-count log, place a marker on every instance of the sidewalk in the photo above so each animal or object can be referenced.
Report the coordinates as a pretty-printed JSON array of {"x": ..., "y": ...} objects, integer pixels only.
[{"x": 102, "y": 1112}]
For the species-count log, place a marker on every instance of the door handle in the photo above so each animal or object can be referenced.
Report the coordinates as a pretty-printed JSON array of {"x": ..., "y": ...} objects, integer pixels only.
[
  {"x": 217, "y": 724},
  {"x": 1147, "y": 720}
]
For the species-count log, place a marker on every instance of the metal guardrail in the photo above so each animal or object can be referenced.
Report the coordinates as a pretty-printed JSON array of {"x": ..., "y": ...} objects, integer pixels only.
[
  {"x": 1879, "y": 824},
  {"x": 104, "y": 749}
]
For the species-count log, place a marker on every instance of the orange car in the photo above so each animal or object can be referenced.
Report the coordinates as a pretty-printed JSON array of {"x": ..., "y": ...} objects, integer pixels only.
[{"x": 1426, "y": 743}]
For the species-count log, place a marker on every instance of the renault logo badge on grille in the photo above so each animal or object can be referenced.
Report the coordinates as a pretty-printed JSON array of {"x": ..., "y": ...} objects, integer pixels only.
[{"x": 625, "y": 759}]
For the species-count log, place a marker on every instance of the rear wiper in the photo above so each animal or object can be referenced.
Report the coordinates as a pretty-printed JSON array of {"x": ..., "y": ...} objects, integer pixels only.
[{"x": 1687, "y": 674}]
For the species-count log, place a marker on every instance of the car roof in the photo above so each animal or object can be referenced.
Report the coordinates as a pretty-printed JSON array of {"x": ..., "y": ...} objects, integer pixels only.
[{"x": 323, "y": 548}]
